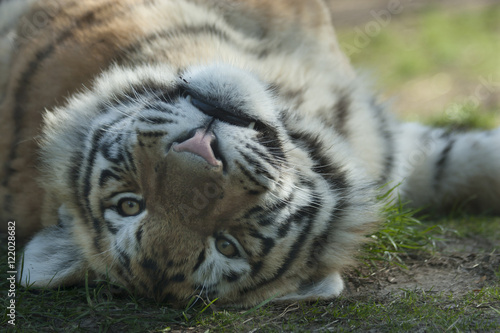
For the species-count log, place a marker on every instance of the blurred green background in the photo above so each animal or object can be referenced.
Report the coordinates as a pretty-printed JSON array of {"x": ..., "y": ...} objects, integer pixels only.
[{"x": 437, "y": 62}]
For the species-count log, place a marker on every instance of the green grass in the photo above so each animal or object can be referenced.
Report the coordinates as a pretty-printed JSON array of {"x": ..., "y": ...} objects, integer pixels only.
[
  {"x": 444, "y": 62},
  {"x": 411, "y": 311},
  {"x": 465, "y": 45},
  {"x": 464, "y": 117}
]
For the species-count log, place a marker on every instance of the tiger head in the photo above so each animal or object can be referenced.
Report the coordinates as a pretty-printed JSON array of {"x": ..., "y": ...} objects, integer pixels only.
[{"x": 176, "y": 185}]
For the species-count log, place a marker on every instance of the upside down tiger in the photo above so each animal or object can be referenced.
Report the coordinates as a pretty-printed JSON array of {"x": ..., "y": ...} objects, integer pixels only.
[{"x": 221, "y": 148}]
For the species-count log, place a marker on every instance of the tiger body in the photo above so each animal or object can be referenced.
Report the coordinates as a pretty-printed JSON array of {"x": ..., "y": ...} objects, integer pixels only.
[{"x": 222, "y": 148}]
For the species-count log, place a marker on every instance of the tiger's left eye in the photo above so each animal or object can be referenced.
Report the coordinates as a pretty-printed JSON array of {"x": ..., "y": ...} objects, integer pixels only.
[{"x": 129, "y": 207}]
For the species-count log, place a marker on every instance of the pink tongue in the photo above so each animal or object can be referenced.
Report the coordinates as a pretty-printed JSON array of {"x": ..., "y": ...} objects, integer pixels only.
[{"x": 199, "y": 144}]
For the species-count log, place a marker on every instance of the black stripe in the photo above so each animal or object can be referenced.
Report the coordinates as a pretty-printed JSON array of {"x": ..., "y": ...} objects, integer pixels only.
[
  {"x": 253, "y": 211},
  {"x": 96, "y": 224},
  {"x": 268, "y": 215},
  {"x": 295, "y": 248},
  {"x": 267, "y": 242},
  {"x": 292, "y": 255},
  {"x": 256, "y": 268},
  {"x": 74, "y": 175},
  {"x": 109, "y": 225},
  {"x": 232, "y": 276},
  {"x": 123, "y": 275},
  {"x": 317, "y": 248},
  {"x": 160, "y": 284},
  {"x": 332, "y": 174},
  {"x": 191, "y": 30},
  {"x": 266, "y": 220},
  {"x": 290, "y": 96},
  {"x": 149, "y": 264},
  {"x": 124, "y": 260},
  {"x": 105, "y": 148},
  {"x": 386, "y": 133},
  {"x": 152, "y": 134},
  {"x": 129, "y": 161},
  {"x": 264, "y": 155},
  {"x": 178, "y": 278},
  {"x": 441, "y": 164},
  {"x": 324, "y": 166},
  {"x": 201, "y": 259},
  {"x": 284, "y": 228},
  {"x": 152, "y": 90},
  {"x": 305, "y": 182},
  {"x": 248, "y": 175},
  {"x": 155, "y": 120},
  {"x": 278, "y": 206},
  {"x": 76, "y": 162},
  {"x": 259, "y": 168},
  {"x": 176, "y": 32},
  {"x": 268, "y": 138},
  {"x": 341, "y": 112},
  {"x": 107, "y": 175},
  {"x": 305, "y": 212},
  {"x": 275, "y": 210},
  {"x": 162, "y": 107},
  {"x": 87, "y": 173},
  {"x": 138, "y": 234}
]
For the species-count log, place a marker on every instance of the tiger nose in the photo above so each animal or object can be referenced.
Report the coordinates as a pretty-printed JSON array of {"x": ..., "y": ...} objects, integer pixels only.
[{"x": 200, "y": 144}]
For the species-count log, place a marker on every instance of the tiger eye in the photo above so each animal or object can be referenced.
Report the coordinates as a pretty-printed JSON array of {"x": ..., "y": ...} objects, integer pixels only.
[
  {"x": 129, "y": 207},
  {"x": 226, "y": 248}
]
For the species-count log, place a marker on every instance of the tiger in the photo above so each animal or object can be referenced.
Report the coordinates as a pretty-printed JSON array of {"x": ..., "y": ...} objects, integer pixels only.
[{"x": 222, "y": 149}]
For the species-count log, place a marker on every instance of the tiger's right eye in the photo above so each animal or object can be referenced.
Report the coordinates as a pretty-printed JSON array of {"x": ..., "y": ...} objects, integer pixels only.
[
  {"x": 129, "y": 207},
  {"x": 226, "y": 247}
]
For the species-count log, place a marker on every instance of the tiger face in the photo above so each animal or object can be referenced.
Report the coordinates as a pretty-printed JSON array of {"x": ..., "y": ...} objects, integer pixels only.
[{"x": 191, "y": 184}]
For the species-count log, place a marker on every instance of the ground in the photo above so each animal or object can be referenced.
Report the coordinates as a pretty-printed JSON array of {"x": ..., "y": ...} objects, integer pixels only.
[
  {"x": 419, "y": 274},
  {"x": 460, "y": 266}
]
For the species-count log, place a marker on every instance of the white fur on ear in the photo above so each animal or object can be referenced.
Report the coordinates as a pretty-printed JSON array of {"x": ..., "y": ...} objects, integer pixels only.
[{"x": 51, "y": 259}]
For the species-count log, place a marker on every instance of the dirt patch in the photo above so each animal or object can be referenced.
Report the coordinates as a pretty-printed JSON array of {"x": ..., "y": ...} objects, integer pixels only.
[{"x": 459, "y": 267}]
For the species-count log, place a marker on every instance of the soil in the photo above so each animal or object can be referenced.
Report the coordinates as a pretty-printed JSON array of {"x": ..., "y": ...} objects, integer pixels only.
[{"x": 459, "y": 267}]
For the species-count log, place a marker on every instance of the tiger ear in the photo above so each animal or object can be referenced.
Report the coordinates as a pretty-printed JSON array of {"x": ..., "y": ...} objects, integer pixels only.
[{"x": 51, "y": 259}]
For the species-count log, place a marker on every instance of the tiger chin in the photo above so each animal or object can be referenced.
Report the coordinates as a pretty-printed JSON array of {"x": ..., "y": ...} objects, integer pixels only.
[{"x": 224, "y": 149}]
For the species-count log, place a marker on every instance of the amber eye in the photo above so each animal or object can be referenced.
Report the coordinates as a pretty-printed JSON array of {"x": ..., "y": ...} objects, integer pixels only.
[
  {"x": 129, "y": 207},
  {"x": 226, "y": 247}
]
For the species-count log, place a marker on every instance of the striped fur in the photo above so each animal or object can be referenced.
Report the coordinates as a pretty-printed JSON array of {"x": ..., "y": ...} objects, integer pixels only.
[{"x": 301, "y": 148}]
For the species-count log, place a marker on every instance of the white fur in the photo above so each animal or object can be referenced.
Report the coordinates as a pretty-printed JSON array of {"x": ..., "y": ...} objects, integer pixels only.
[
  {"x": 327, "y": 288},
  {"x": 472, "y": 167},
  {"x": 51, "y": 257}
]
